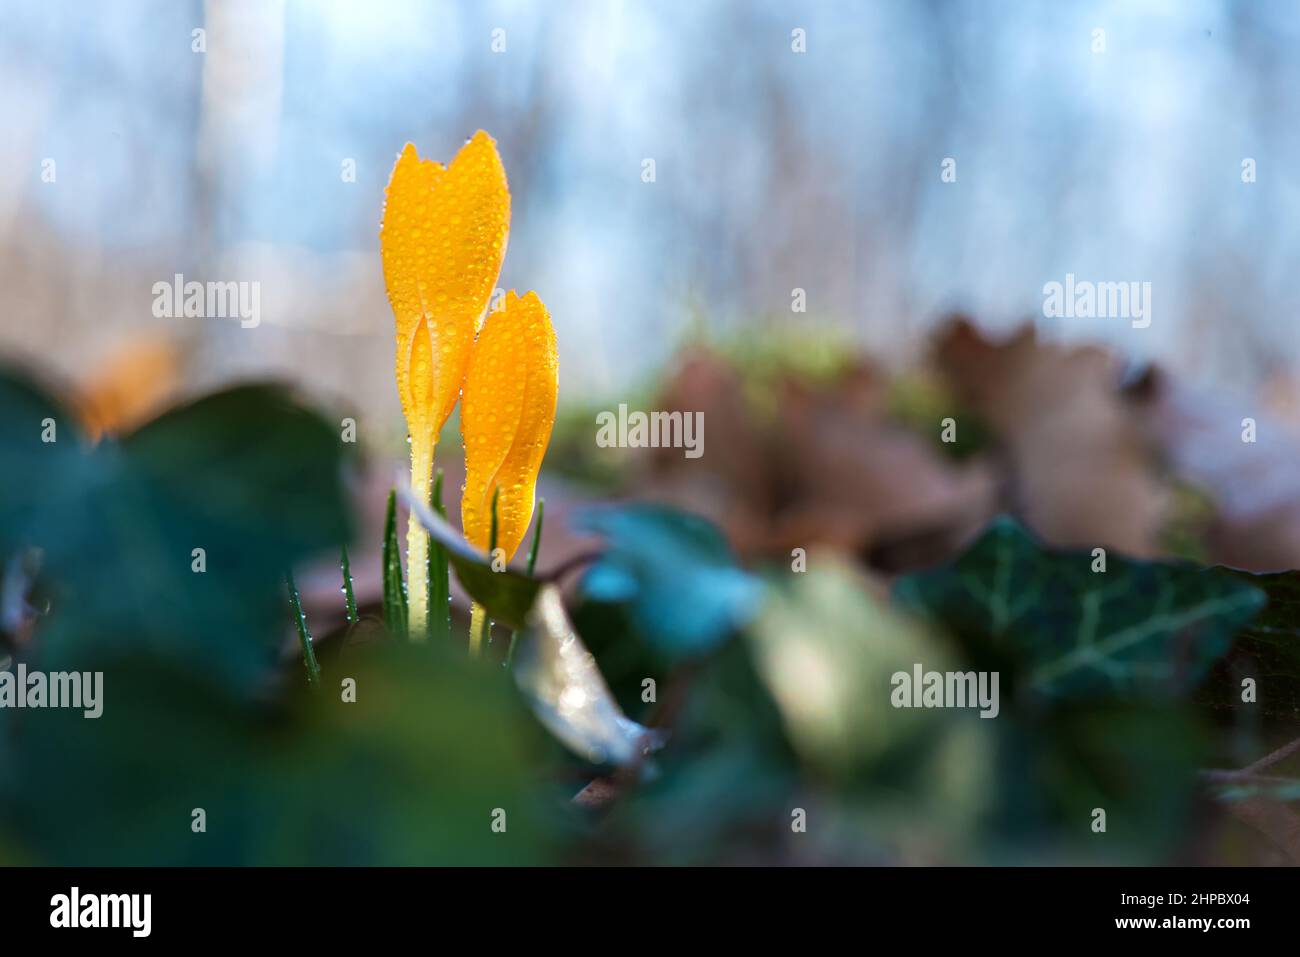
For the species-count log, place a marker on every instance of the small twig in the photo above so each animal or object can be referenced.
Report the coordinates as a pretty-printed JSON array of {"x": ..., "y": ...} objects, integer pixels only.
[
  {"x": 1281, "y": 754},
  {"x": 599, "y": 793},
  {"x": 577, "y": 561},
  {"x": 1252, "y": 770},
  {"x": 1272, "y": 818},
  {"x": 455, "y": 543},
  {"x": 1213, "y": 774}
]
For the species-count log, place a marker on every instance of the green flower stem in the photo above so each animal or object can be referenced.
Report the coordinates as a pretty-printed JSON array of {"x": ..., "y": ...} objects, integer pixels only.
[
  {"x": 304, "y": 636},
  {"x": 532, "y": 564}
]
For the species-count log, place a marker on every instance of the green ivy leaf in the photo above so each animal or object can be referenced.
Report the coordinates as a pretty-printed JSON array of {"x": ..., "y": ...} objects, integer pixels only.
[
  {"x": 247, "y": 476},
  {"x": 675, "y": 573},
  {"x": 41, "y": 451},
  {"x": 1067, "y": 631},
  {"x": 248, "y": 464}
]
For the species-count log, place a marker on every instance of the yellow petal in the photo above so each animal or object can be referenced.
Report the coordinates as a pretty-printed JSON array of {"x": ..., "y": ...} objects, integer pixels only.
[
  {"x": 442, "y": 241},
  {"x": 507, "y": 411}
]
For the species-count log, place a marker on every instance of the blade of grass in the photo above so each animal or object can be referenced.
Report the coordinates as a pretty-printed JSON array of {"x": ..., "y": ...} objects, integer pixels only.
[
  {"x": 532, "y": 564},
  {"x": 480, "y": 628},
  {"x": 492, "y": 536},
  {"x": 304, "y": 636},
  {"x": 439, "y": 576},
  {"x": 537, "y": 536},
  {"x": 394, "y": 591},
  {"x": 349, "y": 597}
]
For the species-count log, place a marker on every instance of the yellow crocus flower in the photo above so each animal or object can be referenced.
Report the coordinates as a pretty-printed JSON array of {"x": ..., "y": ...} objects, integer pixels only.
[
  {"x": 506, "y": 416},
  {"x": 507, "y": 413},
  {"x": 442, "y": 242}
]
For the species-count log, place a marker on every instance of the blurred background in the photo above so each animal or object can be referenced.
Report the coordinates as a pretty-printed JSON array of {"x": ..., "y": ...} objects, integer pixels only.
[
  {"x": 774, "y": 170},
  {"x": 798, "y": 154}
]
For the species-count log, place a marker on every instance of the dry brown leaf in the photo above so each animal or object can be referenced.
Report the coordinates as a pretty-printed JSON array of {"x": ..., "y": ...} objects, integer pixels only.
[
  {"x": 828, "y": 467},
  {"x": 1080, "y": 471}
]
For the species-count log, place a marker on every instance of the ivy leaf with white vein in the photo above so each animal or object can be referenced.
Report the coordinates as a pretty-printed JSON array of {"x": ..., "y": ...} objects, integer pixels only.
[{"x": 1136, "y": 628}]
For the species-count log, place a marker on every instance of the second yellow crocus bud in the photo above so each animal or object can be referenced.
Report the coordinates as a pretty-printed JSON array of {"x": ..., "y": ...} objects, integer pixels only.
[
  {"x": 507, "y": 413},
  {"x": 506, "y": 416}
]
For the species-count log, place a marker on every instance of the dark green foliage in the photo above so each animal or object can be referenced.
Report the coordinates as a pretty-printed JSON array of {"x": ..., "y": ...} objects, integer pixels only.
[
  {"x": 1267, "y": 650},
  {"x": 410, "y": 773},
  {"x": 1067, "y": 631},
  {"x": 174, "y": 539},
  {"x": 773, "y": 694}
]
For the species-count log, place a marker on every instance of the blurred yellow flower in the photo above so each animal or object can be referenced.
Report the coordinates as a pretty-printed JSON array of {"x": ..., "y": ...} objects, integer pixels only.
[{"x": 130, "y": 389}]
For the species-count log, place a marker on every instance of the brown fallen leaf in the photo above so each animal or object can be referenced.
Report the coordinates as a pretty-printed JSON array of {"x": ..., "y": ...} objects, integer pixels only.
[
  {"x": 861, "y": 482},
  {"x": 1080, "y": 471},
  {"x": 823, "y": 466}
]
